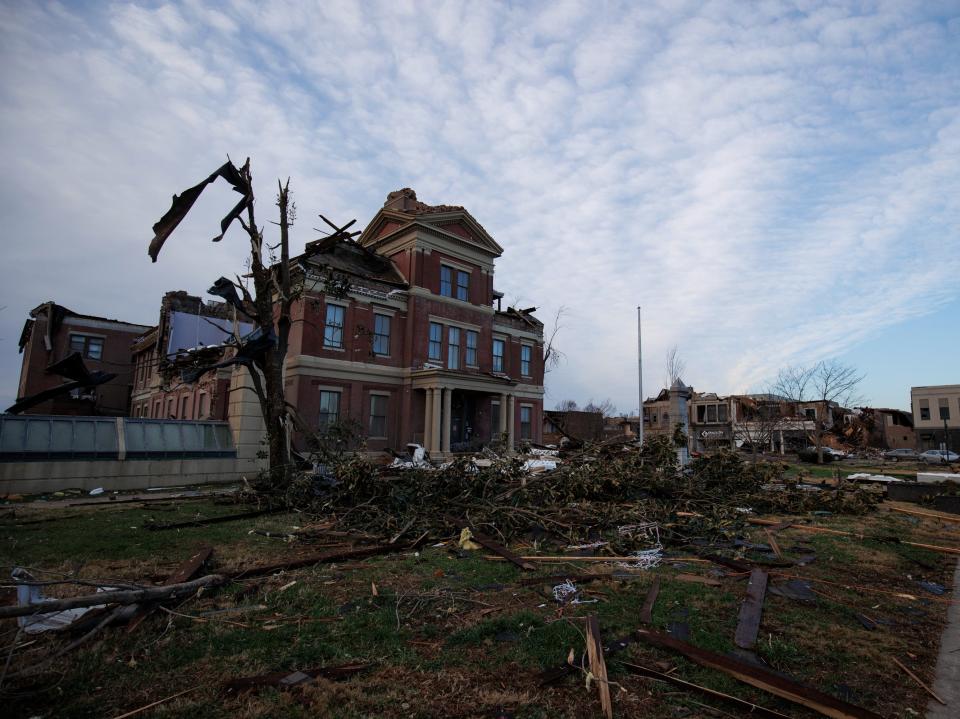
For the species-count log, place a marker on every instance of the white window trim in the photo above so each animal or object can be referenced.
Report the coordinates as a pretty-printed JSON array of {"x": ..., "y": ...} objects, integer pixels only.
[{"x": 531, "y": 346}]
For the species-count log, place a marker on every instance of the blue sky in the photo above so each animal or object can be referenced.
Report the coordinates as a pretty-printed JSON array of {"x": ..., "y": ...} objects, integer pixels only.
[{"x": 776, "y": 183}]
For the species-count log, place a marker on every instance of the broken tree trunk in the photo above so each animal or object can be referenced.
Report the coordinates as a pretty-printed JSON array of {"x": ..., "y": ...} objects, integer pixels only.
[
  {"x": 128, "y": 596},
  {"x": 646, "y": 613},
  {"x": 184, "y": 573},
  {"x": 748, "y": 625},
  {"x": 598, "y": 667},
  {"x": 760, "y": 678}
]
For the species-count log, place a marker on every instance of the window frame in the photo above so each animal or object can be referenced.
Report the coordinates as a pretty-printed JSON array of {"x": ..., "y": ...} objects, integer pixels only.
[
  {"x": 330, "y": 329},
  {"x": 86, "y": 343},
  {"x": 374, "y": 398},
  {"x": 501, "y": 365},
  {"x": 435, "y": 344},
  {"x": 381, "y": 337},
  {"x": 453, "y": 347},
  {"x": 446, "y": 281},
  {"x": 470, "y": 358},
  {"x": 463, "y": 287},
  {"x": 323, "y": 415},
  {"x": 528, "y": 435},
  {"x": 526, "y": 360}
]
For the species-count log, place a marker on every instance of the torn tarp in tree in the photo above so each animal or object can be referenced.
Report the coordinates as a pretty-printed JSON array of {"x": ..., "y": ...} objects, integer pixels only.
[
  {"x": 184, "y": 201},
  {"x": 227, "y": 290},
  {"x": 72, "y": 368},
  {"x": 253, "y": 349}
]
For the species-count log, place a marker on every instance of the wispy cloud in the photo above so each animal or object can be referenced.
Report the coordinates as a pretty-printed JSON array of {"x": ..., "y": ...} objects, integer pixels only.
[{"x": 770, "y": 181}]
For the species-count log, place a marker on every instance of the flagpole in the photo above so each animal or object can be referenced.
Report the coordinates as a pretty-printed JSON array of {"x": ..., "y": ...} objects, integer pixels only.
[{"x": 640, "y": 371}]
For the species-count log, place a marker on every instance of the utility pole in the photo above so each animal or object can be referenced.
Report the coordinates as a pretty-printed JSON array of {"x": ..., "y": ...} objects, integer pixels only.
[{"x": 640, "y": 371}]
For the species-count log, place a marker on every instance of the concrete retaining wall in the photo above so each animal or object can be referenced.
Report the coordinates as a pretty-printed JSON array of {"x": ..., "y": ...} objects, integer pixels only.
[{"x": 54, "y": 475}]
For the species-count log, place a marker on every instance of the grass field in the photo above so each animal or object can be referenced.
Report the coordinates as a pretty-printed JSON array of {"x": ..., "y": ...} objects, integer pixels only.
[{"x": 453, "y": 634}]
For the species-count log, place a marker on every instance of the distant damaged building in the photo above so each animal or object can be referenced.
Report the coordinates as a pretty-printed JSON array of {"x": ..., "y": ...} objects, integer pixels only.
[{"x": 75, "y": 364}]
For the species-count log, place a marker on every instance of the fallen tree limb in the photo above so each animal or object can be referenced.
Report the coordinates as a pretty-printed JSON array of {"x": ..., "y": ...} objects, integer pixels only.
[
  {"x": 216, "y": 520},
  {"x": 761, "y": 678},
  {"x": 748, "y": 707},
  {"x": 285, "y": 680},
  {"x": 501, "y": 551},
  {"x": 598, "y": 667},
  {"x": 918, "y": 681},
  {"x": 127, "y": 596},
  {"x": 184, "y": 573}
]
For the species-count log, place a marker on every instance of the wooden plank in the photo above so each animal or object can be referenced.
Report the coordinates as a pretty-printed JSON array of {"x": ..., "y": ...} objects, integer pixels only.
[
  {"x": 748, "y": 625},
  {"x": 598, "y": 666},
  {"x": 217, "y": 520},
  {"x": 749, "y": 709},
  {"x": 697, "y": 579},
  {"x": 646, "y": 613},
  {"x": 825, "y": 530},
  {"x": 184, "y": 573},
  {"x": 926, "y": 515},
  {"x": 773, "y": 544},
  {"x": 761, "y": 678},
  {"x": 501, "y": 551},
  {"x": 918, "y": 681}
]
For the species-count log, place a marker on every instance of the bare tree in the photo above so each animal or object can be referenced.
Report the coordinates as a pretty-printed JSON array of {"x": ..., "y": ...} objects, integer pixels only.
[
  {"x": 824, "y": 384},
  {"x": 674, "y": 366},
  {"x": 269, "y": 307},
  {"x": 606, "y": 408},
  {"x": 552, "y": 356},
  {"x": 566, "y": 405},
  {"x": 758, "y": 418}
]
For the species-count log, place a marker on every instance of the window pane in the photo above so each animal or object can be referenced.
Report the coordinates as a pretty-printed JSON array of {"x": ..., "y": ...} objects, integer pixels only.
[
  {"x": 446, "y": 282},
  {"x": 471, "y": 357},
  {"x": 711, "y": 413},
  {"x": 94, "y": 348},
  {"x": 381, "y": 335},
  {"x": 224, "y": 437},
  {"x": 721, "y": 413},
  {"x": 463, "y": 285},
  {"x": 498, "y": 355},
  {"x": 61, "y": 436},
  {"x": 526, "y": 353},
  {"x": 526, "y": 426},
  {"x": 453, "y": 348},
  {"x": 77, "y": 343},
  {"x": 435, "y": 349},
  {"x": 38, "y": 436},
  {"x": 329, "y": 408},
  {"x": 106, "y": 440},
  {"x": 333, "y": 329},
  {"x": 378, "y": 416}
]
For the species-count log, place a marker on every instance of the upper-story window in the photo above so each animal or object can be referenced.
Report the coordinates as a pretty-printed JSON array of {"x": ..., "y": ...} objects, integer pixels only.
[
  {"x": 90, "y": 347},
  {"x": 944, "y": 408},
  {"x": 435, "y": 350},
  {"x": 498, "y": 355},
  {"x": 453, "y": 348},
  {"x": 526, "y": 355},
  {"x": 924, "y": 409},
  {"x": 446, "y": 281},
  {"x": 471, "y": 353},
  {"x": 381, "y": 335},
  {"x": 333, "y": 329},
  {"x": 463, "y": 285}
]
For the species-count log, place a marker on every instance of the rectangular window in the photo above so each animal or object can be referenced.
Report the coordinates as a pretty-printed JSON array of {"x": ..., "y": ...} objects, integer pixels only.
[
  {"x": 204, "y": 406},
  {"x": 333, "y": 329},
  {"x": 944, "y": 408},
  {"x": 711, "y": 413},
  {"x": 701, "y": 413},
  {"x": 471, "y": 357},
  {"x": 436, "y": 342},
  {"x": 184, "y": 406},
  {"x": 381, "y": 335},
  {"x": 170, "y": 409},
  {"x": 446, "y": 281},
  {"x": 378, "y": 416},
  {"x": 463, "y": 285},
  {"x": 924, "y": 409},
  {"x": 453, "y": 348},
  {"x": 526, "y": 422},
  {"x": 329, "y": 408},
  {"x": 810, "y": 412},
  {"x": 89, "y": 347},
  {"x": 498, "y": 355},
  {"x": 526, "y": 355},
  {"x": 721, "y": 413},
  {"x": 495, "y": 420}
]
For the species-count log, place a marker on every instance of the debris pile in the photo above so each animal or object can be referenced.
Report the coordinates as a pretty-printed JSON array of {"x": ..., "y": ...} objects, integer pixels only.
[{"x": 579, "y": 498}]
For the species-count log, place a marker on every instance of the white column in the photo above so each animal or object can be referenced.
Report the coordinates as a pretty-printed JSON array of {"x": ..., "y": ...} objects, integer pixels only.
[
  {"x": 447, "y": 402},
  {"x": 435, "y": 421},
  {"x": 427, "y": 417},
  {"x": 782, "y": 450},
  {"x": 511, "y": 416}
]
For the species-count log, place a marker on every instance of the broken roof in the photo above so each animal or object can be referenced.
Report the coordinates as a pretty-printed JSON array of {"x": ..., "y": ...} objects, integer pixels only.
[
  {"x": 67, "y": 312},
  {"x": 353, "y": 258}
]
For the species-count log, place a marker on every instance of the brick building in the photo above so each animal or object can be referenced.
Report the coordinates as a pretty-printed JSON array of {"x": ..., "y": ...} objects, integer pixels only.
[
  {"x": 402, "y": 331},
  {"x": 54, "y": 332},
  {"x": 189, "y": 333}
]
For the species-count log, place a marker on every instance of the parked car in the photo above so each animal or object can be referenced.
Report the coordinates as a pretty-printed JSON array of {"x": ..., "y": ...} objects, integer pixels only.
[
  {"x": 810, "y": 455},
  {"x": 939, "y": 456},
  {"x": 905, "y": 455}
]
